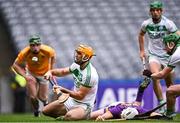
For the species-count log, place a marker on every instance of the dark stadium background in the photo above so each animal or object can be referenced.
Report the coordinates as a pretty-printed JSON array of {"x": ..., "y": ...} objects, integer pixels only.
[{"x": 110, "y": 26}]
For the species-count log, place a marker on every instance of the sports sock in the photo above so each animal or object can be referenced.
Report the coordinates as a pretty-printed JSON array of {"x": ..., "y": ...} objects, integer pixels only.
[
  {"x": 139, "y": 95},
  {"x": 45, "y": 102}
]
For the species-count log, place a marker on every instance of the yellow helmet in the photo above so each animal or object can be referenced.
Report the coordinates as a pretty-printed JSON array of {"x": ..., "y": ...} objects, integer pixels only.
[{"x": 86, "y": 50}]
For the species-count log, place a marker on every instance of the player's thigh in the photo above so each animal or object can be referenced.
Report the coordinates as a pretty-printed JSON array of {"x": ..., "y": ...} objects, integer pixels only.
[
  {"x": 43, "y": 87},
  {"x": 32, "y": 88},
  {"x": 154, "y": 66},
  {"x": 154, "y": 63},
  {"x": 55, "y": 108},
  {"x": 43, "y": 91},
  {"x": 76, "y": 113}
]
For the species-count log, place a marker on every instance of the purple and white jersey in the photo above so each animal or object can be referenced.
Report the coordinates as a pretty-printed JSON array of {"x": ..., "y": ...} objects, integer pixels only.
[{"x": 117, "y": 110}]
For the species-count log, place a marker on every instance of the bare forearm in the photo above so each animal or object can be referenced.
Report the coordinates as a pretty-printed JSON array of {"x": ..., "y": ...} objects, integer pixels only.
[
  {"x": 74, "y": 94},
  {"x": 141, "y": 45},
  {"x": 19, "y": 70},
  {"x": 60, "y": 71},
  {"x": 157, "y": 75},
  {"x": 162, "y": 74},
  {"x": 107, "y": 115},
  {"x": 141, "y": 42}
]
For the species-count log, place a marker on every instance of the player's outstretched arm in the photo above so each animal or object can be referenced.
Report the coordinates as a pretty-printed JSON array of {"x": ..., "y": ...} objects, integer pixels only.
[
  {"x": 105, "y": 116},
  {"x": 57, "y": 72},
  {"x": 96, "y": 113}
]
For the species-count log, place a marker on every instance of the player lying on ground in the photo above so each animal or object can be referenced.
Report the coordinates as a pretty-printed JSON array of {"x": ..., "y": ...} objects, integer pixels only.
[
  {"x": 124, "y": 110},
  {"x": 172, "y": 46},
  {"x": 81, "y": 101}
]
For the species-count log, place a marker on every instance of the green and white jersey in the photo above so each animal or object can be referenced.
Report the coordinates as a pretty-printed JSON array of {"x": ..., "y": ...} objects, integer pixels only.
[
  {"x": 87, "y": 78},
  {"x": 174, "y": 59},
  {"x": 155, "y": 34}
]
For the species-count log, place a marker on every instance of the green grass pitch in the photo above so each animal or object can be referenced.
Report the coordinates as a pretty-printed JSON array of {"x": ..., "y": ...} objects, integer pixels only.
[{"x": 30, "y": 118}]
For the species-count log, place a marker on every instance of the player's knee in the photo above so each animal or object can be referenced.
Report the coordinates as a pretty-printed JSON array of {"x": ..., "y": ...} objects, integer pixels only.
[
  {"x": 69, "y": 116},
  {"x": 44, "y": 111},
  {"x": 169, "y": 92},
  {"x": 31, "y": 83},
  {"x": 48, "y": 110}
]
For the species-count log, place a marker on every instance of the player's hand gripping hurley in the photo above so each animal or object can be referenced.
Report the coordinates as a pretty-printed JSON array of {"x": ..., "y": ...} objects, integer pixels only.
[
  {"x": 146, "y": 81},
  {"x": 146, "y": 72},
  {"x": 62, "y": 97}
]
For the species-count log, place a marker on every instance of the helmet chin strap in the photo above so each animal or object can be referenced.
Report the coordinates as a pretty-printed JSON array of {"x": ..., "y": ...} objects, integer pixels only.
[
  {"x": 82, "y": 61},
  {"x": 84, "y": 58}
]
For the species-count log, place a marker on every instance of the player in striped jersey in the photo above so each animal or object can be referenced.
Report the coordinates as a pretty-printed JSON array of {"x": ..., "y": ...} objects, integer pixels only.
[
  {"x": 82, "y": 98},
  {"x": 156, "y": 27},
  {"x": 172, "y": 43}
]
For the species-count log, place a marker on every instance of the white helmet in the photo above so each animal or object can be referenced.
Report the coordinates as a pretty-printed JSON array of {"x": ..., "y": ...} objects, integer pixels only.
[{"x": 129, "y": 113}]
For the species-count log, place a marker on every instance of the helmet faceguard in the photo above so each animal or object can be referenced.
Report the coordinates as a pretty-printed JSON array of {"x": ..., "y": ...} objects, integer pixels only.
[{"x": 86, "y": 52}]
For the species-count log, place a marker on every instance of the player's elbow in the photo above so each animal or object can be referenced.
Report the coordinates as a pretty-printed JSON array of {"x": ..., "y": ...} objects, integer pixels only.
[
  {"x": 14, "y": 66},
  {"x": 80, "y": 96},
  {"x": 162, "y": 75}
]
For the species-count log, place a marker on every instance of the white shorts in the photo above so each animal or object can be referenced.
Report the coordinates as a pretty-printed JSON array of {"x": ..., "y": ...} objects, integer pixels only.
[
  {"x": 39, "y": 79},
  {"x": 71, "y": 103},
  {"x": 162, "y": 61}
]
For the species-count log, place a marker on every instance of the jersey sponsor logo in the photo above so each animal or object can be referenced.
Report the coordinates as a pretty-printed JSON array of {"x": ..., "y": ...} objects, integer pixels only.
[{"x": 156, "y": 31}]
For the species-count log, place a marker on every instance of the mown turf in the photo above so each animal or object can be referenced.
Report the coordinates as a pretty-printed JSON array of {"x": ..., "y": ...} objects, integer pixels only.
[{"x": 30, "y": 118}]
